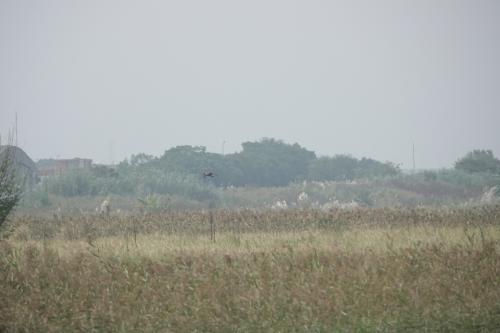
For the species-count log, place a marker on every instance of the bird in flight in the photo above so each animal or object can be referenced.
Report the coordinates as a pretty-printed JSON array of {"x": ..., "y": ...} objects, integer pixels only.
[{"x": 208, "y": 174}]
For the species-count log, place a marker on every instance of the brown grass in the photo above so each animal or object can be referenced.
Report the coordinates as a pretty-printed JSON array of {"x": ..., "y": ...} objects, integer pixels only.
[
  {"x": 83, "y": 226},
  {"x": 433, "y": 274}
]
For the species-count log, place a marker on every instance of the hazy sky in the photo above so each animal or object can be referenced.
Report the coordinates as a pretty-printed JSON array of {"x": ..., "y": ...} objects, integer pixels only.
[{"x": 106, "y": 79}]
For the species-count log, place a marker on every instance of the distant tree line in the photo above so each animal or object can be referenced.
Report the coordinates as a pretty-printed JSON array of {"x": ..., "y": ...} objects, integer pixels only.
[
  {"x": 179, "y": 170},
  {"x": 265, "y": 163}
]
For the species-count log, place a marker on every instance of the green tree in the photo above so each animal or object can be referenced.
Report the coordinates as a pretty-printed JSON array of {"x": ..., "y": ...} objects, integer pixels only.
[
  {"x": 368, "y": 168},
  {"x": 194, "y": 160},
  {"x": 140, "y": 158},
  {"x": 339, "y": 167},
  {"x": 479, "y": 161},
  {"x": 10, "y": 190},
  {"x": 345, "y": 167},
  {"x": 270, "y": 162},
  {"x": 267, "y": 162}
]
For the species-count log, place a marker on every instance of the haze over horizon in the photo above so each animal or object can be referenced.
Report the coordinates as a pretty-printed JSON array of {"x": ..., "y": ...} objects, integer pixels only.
[{"x": 107, "y": 79}]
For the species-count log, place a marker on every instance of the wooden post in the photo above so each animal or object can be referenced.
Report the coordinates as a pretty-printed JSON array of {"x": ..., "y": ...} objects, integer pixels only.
[
  {"x": 211, "y": 205},
  {"x": 212, "y": 227}
]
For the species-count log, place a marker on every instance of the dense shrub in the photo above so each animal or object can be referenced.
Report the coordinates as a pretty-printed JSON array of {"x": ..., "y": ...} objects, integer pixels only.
[
  {"x": 479, "y": 161},
  {"x": 131, "y": 182},
  {"x": 345, "y": 167}
]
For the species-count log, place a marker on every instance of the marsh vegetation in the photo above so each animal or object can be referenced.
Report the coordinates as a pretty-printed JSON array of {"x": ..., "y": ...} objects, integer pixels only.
[
  {"x": 332, "y": 244},
  {"x": 358, "y": 270}
]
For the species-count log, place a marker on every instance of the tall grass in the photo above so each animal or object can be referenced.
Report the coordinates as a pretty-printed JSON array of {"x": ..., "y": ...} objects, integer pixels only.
[
  {"x": 82, "y": 226},
  {"x": 290, "y": 271}
]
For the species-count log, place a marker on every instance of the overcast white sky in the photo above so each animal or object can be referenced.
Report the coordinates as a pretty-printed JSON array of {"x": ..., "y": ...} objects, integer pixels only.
[{"x": 106, "y": 79}]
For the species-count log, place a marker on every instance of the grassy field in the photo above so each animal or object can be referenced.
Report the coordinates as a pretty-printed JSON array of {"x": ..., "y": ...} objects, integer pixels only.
[{"x": 364, "y": 270}]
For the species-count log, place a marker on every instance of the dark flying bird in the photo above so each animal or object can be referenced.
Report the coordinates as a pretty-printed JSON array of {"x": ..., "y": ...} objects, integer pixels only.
[{"x": 208, "y": 174}]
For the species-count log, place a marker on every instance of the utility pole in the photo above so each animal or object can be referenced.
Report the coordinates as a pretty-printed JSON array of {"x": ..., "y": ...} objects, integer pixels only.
[
  {"x": 413, "y": 156},
  {"x": 111, "y": 153},
  {"x": 16, "y": 132}
]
